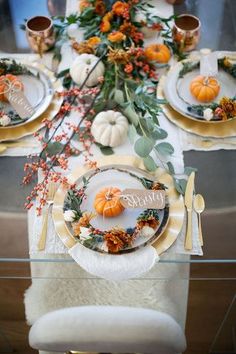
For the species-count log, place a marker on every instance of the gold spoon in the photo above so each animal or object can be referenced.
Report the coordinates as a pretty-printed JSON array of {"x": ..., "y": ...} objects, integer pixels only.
[{"x": 199, "y": 207}]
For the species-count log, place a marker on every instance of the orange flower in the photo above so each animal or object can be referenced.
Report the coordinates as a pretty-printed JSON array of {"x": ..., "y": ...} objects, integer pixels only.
[
  {"x": 128, "y": 68},
  {"x": 105, "y": 26},
  {"x": 108, "y": 17},
  {"x": 116, "y": 37},
  {"x": 93, "y": 41},
  {"x": 83, "y": 4},
  {"x": 100, "y": 7},
  {"x": 120, "y": 8}
]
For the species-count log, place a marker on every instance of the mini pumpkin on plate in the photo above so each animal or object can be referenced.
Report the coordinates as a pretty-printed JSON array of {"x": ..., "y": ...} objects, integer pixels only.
[
  {"x": 7, "y": 81},
  {"x": 158, "y": 52},
  {"x": 204, "y": 88},
  {"x": 107, "y": 202}
]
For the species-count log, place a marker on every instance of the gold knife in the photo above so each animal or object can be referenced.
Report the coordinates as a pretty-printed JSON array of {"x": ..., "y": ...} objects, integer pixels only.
[{"x": 188, "y": 201}]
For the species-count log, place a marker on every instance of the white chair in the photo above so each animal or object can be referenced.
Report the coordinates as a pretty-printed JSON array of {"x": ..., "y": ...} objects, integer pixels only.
[{"x": 107, "y": 329}]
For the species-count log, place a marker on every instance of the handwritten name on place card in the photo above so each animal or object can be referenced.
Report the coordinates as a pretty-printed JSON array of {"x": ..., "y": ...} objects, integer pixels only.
[
  {"x": 147, "y": 199},
  {"x": 18, "y": 101}
]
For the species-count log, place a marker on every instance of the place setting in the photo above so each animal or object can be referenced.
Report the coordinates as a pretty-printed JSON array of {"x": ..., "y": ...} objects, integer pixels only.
[
  {"x": 28, "y": 95},
  {"x": 200, "y": 90}
]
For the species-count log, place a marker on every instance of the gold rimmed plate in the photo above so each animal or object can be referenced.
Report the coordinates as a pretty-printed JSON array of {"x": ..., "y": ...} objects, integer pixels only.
[
  {"x": 48, "y": 107},
  {"x": 177, "y": 87},
  {"x": 173, "y": 215},
  {"x": 208, "y": 129}
]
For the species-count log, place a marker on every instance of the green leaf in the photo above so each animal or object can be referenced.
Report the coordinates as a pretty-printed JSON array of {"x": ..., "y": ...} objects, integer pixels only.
[
  {"x": 164, "y": 149},
  {"x": 105, "y": 150},
  {"x": 54, "y": 148},
  {"x": 171, "y": 168},
  {"x": 180, "y": 185},
  {"x": 132, "y": 133},
  {"x": 119, "y": 97},
  {"x": 188, "y": 170},
  {"x": 131, "y": 115},
  {"x": 159, "y": 134},
  {"x": 63, "y": 73},
  {"x": 143, "y": 146},
  {"x": 149, "y": 163}
]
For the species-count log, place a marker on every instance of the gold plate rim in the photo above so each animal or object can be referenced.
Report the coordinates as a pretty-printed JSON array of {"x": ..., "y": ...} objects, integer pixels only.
[
  {"x": 28, "y": 128},
  {"x": 176, "y": 205}
]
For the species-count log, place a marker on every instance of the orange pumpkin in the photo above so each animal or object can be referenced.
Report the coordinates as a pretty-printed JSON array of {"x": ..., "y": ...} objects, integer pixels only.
[
  {"x": 107, "y": 202},
  {"x": 158, "y": 52},
  {"x": 4, "y": 86},
  {"x": 204, "y": 88}
]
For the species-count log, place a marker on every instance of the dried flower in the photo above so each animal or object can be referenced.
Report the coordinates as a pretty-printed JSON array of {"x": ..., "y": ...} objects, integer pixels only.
[
  {"x": 129, "y": 68},
  {"x": 94, "y": 41},
  {"x": 229, "y": 106},
  {"x": 116, "y": 37},
  {"x": 220, "y": 113},
  {"x": 118, "y": 56},
  {"x": 100, "y": 7},
  {"x": 120, "y": 8},
  {"x": 117, "y": 239},
  {"x": 84, "y": 221},
  {"x": 151, "y": 222},
  {"x": 105, "y": 26},
  {"x": 83, "y": 4},
  {"x": 83, "y": 47}
]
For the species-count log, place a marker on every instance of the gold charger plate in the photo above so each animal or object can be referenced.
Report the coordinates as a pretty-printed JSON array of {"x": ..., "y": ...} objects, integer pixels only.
[
  {"x": 30, "y": 127},
  {"x": 176, "y": 205},
  {"x": 202, "y": 128}
]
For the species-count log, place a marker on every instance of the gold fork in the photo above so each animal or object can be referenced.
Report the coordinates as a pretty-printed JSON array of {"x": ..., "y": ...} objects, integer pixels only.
[{"x": 52, "y": 188}]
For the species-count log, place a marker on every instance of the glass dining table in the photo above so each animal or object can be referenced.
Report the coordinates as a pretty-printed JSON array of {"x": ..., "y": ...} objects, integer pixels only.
[{"x": 202, "y": 288}]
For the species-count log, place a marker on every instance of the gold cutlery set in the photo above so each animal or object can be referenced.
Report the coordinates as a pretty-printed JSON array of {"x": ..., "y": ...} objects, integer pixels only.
[{"x": 193, "y": 202}]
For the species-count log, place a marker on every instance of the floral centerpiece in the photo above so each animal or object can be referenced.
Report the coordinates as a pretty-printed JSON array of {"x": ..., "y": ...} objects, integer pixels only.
[{"x": 115, "y": 72}]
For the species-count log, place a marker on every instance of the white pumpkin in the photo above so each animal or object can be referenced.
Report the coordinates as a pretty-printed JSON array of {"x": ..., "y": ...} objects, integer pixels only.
[
  {"x": 110, "y": 128},
  {"x": 82, "y": 65}
]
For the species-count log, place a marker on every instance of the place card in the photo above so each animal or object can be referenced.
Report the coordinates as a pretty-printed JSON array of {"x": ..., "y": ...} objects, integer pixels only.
[
  {"x": 146, "y": 199},
  {"x": 18, "y": 101},
  {"x": 208, "y": 63}
]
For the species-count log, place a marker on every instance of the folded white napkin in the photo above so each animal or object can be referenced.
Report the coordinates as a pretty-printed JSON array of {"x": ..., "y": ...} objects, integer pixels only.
[{"x": 115, "y": 267}]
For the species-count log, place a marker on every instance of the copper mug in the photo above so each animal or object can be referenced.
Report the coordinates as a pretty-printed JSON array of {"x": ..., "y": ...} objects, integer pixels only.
[
  {"x": 186, "y": 32},
  {"x": 40, "y": 34}
]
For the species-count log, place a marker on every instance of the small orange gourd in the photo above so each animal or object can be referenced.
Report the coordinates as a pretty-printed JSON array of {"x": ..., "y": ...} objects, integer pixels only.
[
  {"x": 204, "y": 88},
  {"x": 158, "y": 52},
  {"x": 4, "y": 86},
  {"x": 107, "y": 202}
]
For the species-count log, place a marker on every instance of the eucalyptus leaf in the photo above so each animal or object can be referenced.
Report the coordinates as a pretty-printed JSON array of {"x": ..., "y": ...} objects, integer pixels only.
[
  {"x": 188, "y": 170},
  {"x": 180, "y": 185},
  {"x": 132, "y": 133},
  {"x": 53, "y": 148},
  {"x": 130, "y": 113},
  {"x": 149, "y": 163},
  {"x": 119, "y": 97},
  {"x": 171, "y": 168},
  {"x": 159, "y": 134},
  {"x": 164, "y": 149},
  {"x": 105, "y": 150},
  {"x": 143, "y": 146}
]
